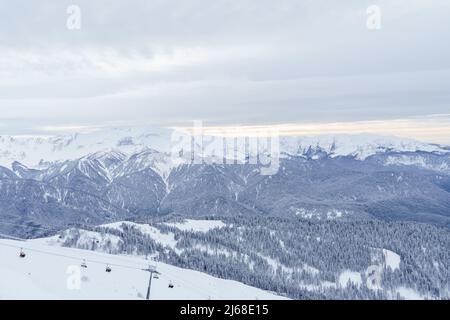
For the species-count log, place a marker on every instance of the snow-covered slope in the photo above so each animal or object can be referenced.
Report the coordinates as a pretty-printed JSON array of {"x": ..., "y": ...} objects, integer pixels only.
[
  {"x": 197, "y": 225},
  {"x": 50, "y": 272}
]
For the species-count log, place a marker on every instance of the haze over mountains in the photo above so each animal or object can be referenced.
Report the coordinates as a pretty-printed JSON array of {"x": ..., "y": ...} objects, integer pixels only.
[{"x": 113, "y": 174}]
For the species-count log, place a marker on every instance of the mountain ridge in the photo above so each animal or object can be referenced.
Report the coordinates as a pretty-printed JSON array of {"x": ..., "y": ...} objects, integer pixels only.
[
  {"x": 317, "y": 180},
  {"x": 36, "y": 152}
]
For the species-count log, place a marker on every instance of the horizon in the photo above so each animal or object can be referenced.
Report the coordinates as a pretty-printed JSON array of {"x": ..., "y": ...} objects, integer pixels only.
[{"x": 434, "y": 129}]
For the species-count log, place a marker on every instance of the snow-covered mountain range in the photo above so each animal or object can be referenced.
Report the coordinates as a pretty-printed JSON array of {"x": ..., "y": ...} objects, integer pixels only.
[
  {"x": 361, "y": 146},
  {"x": 114, "y": 174},
  {"x": 36, "y": 151}
]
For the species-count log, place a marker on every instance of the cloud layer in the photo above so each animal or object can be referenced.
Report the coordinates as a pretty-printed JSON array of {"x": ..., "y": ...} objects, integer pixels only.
[{"x": 222, "y": 61}]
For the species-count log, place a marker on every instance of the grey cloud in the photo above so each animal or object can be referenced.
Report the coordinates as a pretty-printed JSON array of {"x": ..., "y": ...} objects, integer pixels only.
[{"x": 223, "y": 61}]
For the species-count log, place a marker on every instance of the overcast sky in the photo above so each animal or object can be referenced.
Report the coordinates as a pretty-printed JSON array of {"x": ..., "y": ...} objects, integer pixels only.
[{"x": 227, "y": 62}]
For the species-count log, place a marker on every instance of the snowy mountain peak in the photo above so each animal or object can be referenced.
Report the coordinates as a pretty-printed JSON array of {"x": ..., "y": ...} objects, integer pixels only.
[{"x": 33, "y": 150}]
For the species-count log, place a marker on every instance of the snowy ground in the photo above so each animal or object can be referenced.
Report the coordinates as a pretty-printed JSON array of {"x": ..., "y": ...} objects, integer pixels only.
[
  {"x": 165, "y": 239},
  {"x": 197, "y": 225},
  {"x": 49, "y": 272},
  {"x": 392, "y": 260}
]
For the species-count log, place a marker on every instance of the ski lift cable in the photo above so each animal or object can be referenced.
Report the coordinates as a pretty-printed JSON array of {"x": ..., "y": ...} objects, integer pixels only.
[
  {"x": 169, "y": 276},
  {"x": 24, "y": 226},
  {"x": 194, "y": 287},
  {"x": 190, "y": 284},
  {"x": 42, "y": 228},
  {"x": 70, "y": 257},
  {"x": 165, "y": 275},
  {"x": 73, "y": 257}
]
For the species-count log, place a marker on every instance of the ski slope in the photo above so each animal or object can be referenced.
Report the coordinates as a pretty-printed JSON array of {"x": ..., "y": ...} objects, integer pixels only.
[{"x": 49, "y": 272}]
